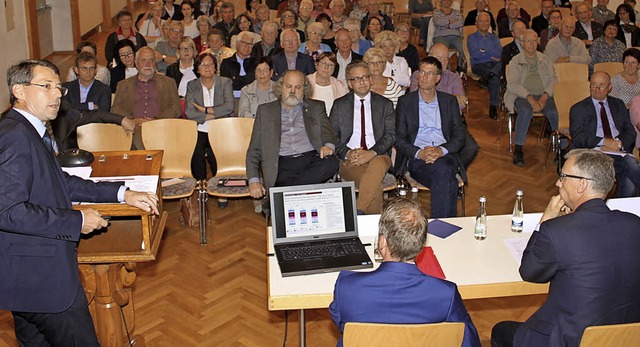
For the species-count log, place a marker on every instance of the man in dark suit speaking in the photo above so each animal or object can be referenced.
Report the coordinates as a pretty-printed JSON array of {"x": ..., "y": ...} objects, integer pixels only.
[
  {"x": 589, "y": 255},
  {"x": 292, "y": 142},
  {"x": 39, "y": 230}
]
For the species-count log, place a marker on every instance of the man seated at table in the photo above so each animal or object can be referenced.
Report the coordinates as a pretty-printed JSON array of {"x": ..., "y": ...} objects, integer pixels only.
[
  {"x": 292, "y": 142},
  {"x": 589, "y": 255},
  {"x": 398, "y": 292},
  {"x": 429, "y": 136},
  {"x": 601, "y": 121},
  {"x": 565, "y": 48},
  {"x": 365, "y": 128}
]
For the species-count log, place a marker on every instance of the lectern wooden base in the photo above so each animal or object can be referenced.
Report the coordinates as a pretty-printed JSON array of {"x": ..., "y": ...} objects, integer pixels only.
[{"x": 108, "y": 256}]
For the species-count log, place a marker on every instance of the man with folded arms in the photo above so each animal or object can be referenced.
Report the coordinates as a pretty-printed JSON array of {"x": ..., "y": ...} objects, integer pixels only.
[
  {"x": 365, "y": 127},
  {"x": 398, "y": 292},
  {"x": 589, "y": 255}
]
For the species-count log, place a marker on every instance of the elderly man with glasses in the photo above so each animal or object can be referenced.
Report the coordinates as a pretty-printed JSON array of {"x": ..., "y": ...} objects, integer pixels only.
[
  {"x": 588, "y": 254},
  {"x": 240, "y": 67},
  {"x": 602, "y": 122}
]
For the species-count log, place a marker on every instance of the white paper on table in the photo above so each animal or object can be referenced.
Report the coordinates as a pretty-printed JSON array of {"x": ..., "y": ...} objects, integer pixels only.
[
  {"x": 631, "y": 205},
  {"x": 516, "y": 248},
  {"x": 142, "y": 183},
  {"x": 529, "y": 221},
  {"x": 83, "y": 172}
]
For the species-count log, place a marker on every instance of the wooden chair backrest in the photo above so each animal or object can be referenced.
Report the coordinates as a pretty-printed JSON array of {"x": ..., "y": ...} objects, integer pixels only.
[
  {"x": 177, "y": 138},
  {"x": 567, "y": 94},
  {"x": 378, "y": 335},
  {"x": 618, "y": 335},
  {"x": 612, "y": 68},
  {"x": 505, "y": 41},
  {"x": 103, "y": 137},
  {"x": 466, "y": 31},
  {"x": 571, "y": 72},
  {"x": 229, "y": 139}
]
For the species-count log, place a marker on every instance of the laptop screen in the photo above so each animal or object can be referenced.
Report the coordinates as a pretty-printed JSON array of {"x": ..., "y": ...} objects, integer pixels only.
[{"x": 313, "y": 212}]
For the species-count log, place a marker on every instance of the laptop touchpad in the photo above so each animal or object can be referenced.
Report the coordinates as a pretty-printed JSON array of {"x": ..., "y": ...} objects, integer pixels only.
[{"x": 313, "y": 263}]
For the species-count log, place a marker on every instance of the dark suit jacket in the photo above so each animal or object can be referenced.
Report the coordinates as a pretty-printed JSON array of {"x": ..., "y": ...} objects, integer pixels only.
[
  {"x": 383, "y": 119},
  {"x": 264, "y": 148},
  {"x": 230, "y": 68},
  {"x": 99, "y": 94},
  {"x": 173, "y": 71},
  {"x": 257, "y": 51},
  {"x": 583, "y": 123},
  {"x": 354, "y": 57},
  {"x": 596, "y": 30},
  {"x": 635, "y": 36},
  {"x": 591, "y": 259},
  {"x": 117, "y": 74},
  {"x": 69, "y": 118},
  {"x": 304, "y": 63},
  {"x": 539, "y": 23},
  {"x": 177, "y": 14},
  {"x": 398, "y": 293},
  {"x": 38, "y": 229},
  {"x": 408, "y": 122}
]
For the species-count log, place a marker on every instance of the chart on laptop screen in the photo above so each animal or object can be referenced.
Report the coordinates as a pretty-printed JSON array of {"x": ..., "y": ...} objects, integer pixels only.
[{"x": 315, "y": 211}]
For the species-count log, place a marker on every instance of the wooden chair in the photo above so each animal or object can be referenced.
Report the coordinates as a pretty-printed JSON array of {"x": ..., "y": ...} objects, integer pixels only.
[
  {"x": 618, "y": 335},
  {"x": 612, "y": 68},
  {"x": 379, "y": 335},
  {"x": 466, "y": 31},
  {"x": 229, "y": 139},
  {"x": 571, "y": 72},
  {"x": 177, "y": 138},
  {"x": 566, "y": 94},
  {"x": 103, "y": 137},
  {"x": 505, "y": 41}
]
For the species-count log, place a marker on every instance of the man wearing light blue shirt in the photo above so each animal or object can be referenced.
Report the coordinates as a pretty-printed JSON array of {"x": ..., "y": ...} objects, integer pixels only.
[
  {"x": 486, "y": 53},
  {"x": 429, "y": 135}
]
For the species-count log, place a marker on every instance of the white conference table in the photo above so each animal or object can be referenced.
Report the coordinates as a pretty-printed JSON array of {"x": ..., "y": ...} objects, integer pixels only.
[{"x": 481, "y": 269}]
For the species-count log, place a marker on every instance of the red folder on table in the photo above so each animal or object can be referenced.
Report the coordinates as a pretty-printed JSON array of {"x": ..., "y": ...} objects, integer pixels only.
[{"x": 428, "y": 263}]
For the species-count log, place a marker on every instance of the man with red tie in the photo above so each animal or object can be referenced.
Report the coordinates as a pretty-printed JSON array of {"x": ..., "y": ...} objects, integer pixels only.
[
  {"x": 602, "y": 122},
  {"x": 364, "y": 123}
]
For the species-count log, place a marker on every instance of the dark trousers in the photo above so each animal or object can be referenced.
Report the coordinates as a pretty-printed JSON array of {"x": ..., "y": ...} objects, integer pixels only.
[
  {"x": 503, "y": 333},
  {"x": 485, "y": 70},
  {"x": 440, "y": 177},
  {"x": 305, "y": 169},
  {"x": 72, "y": 327},
  {"x": 201, "y": 155},
  {"x": 627, "y": 175}
]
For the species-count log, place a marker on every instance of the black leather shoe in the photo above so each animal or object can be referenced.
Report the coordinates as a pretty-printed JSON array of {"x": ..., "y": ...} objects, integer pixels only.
[
  {"x": 518, "y": 156},
  {"x": 493, "y": 112}
]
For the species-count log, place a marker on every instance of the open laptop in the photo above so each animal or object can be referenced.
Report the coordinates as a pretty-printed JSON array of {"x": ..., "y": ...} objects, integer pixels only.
[{"x": 315, "y": 229}]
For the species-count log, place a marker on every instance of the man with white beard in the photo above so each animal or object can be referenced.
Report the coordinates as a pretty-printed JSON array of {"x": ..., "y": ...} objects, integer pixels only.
[{"x": 292, "y": 142}]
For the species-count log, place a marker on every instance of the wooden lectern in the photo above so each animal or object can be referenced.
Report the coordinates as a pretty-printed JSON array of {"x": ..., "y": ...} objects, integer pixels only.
[{"x": 108, "y": 256}]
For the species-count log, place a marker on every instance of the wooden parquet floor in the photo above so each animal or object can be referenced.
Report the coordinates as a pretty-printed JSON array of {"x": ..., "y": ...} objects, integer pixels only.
[{"x": 216, "y": 295}]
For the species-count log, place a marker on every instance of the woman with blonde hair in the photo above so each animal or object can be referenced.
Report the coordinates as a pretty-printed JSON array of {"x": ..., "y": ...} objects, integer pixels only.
[
  {"x": 182, "y": 70},
  {"x": 204, "y": 26},
  {"x": 326, "y": 87},
  {"x": 313, "y": 46},
  {"x": 396, "y": 67},
  {"x": 380, "y": 84}
]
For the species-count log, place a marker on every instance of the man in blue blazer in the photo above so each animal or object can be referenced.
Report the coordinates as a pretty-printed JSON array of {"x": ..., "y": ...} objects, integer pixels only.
[
  {"x": 39, "y": 231},
  {"x": 289, "y": 58},
  {"x": 429, "y": 135},
  {"x": 588, "y": 254},
  {"x": 585, "y": 126},
  {"x": 87, "y": 93},
  {"x": 398, "y": 292}
]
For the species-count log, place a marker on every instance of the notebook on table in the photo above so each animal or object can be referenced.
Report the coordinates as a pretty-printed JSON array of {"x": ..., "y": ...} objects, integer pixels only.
[{"x": 315, "y": 230}]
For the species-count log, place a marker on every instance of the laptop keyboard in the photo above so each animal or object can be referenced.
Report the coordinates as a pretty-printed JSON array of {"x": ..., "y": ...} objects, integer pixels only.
[{"x": 334, "y": 249}]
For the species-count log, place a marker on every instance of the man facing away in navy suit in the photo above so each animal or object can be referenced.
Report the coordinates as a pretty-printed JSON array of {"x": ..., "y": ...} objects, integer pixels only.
[
  {"x": 398, "y": 292},
  {"x": 39, "y": 231},
  {"x": 589, "y": 255}
]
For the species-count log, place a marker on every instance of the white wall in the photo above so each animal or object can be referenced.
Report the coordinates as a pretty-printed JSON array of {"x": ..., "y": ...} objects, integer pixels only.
[
  {"x": 14, "y": 46},
  {"x": 61, "y": 25}
]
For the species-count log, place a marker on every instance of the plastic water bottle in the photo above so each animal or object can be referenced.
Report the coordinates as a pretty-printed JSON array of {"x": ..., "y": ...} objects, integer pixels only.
[
  {"x": 480, "y": 232},
  {"x": 414, "y": 194},
  {"x": 518, "y": 212},
  {"x": 403, "y": 187}
]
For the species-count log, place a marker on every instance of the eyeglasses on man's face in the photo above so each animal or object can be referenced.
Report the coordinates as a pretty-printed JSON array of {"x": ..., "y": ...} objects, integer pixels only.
[
  {"x": 564, "y": 176},
  {"x": 49, "y": 87},
  {"x": 359, "y": 79}
]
